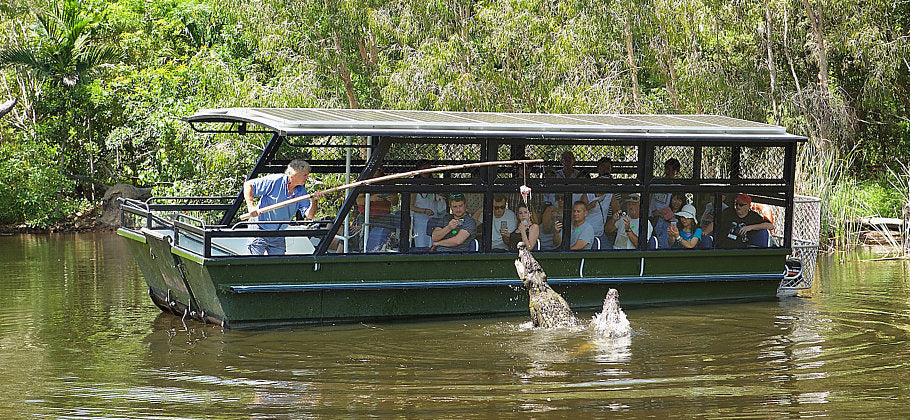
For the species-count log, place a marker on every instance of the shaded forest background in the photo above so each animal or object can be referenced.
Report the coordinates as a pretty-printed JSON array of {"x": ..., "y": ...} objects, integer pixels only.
[{"x": 102, "y": 84}]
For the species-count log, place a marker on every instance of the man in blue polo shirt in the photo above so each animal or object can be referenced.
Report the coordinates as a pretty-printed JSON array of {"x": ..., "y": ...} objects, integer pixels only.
[{"x": 274, "y": 189}]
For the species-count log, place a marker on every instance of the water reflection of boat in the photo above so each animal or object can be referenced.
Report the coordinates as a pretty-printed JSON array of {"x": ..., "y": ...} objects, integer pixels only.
[{"x": 192, "y": 250}]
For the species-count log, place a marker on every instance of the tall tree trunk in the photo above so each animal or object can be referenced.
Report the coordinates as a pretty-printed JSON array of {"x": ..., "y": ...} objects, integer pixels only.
[
  {"x": 630, "y": 56},
  {"x": 771, "y": 70},
  {"x": 345, "y": 73},
  {"x": 786, "y": 42},
  {"x": 821, "y": 53},
  {"x": 665, "y": 58}
]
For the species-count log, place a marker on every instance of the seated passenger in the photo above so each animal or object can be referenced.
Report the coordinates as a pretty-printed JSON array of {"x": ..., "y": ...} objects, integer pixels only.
[
  {"x": 568, "y": 169},
  {"x": 626, "y": 224},
  {"x": 671, "y": 168},
  {"x": 504, "y": 223},
  {"x": 605, "y": 168},
  {"x": 707, "y": 218},
  {"x": 423, "y": 207},
  {"x": 551, "y": 224},
  {"x": 742, "y": 224},
  {"x": 582, "y": 235},
  {"x": 660, "y": 202},
  {"x": 662, "y": 224},
  {"x": 380, "y": 218},
  {"x": 528, "y": 230},
  {"x": 454, "y": 231},
  {"x": 685, "y": 233}
]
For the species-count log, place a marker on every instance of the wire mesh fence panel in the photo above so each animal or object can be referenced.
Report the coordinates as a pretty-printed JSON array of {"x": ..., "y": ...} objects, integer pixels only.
[
  {"x": 806, "y": 234},
  {"x": 715, "y": 162},
  {"x": 308, "y": 148},
  {"x": 415, "y": 151},
  {"x": 663, "y": 155},
  {"x": 624, "y": 158},
  {"x": 762, "y": 162}
]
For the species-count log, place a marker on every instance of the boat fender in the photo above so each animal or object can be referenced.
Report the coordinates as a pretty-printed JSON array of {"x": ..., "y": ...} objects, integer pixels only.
[
  {"x": 581, "y": 268},
  {"x": 641, "y": 271},
  {"x": 316, "y": 266}
]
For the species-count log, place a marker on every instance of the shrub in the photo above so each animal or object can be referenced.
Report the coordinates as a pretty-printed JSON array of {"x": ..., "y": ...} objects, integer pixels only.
[{"x": 33, "y": 192}]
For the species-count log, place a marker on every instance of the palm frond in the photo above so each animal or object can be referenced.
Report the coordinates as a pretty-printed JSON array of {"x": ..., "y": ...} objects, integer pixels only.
[
  {"x": 94, "y": 56},
  {"x": 20, "y": 56}
]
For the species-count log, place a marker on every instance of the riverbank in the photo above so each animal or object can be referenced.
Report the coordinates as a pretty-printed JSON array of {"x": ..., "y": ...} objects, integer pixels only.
[{"x": 90, "y": 221}]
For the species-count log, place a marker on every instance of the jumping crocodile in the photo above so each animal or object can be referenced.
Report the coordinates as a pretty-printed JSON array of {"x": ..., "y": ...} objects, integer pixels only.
[{"x": 548, "y": 308}]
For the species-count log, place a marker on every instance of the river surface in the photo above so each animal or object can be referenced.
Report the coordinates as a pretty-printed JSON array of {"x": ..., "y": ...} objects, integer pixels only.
[{"x": 79, "y": 338}]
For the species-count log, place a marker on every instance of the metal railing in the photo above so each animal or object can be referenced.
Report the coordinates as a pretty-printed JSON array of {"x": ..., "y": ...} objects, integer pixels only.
[{"x": 806, "y": 236}]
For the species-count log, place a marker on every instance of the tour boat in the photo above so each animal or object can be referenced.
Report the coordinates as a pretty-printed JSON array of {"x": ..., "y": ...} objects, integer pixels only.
[{"x": 192, "y": 251}]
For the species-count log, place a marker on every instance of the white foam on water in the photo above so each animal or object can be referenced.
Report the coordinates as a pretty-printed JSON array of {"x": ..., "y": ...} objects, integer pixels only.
[{"x": 611, "y": 322}]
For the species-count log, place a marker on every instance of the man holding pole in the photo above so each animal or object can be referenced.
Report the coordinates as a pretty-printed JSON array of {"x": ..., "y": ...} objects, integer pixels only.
[{"x": 273, "y": 189}]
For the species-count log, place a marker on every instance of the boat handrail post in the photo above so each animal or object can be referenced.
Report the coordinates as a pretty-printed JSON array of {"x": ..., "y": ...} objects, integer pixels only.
[
  {"x": 789, "y": 176},
  {"x": 347, "y": 193},
  {"x": 645, "y": 168},
  {"x": 366, "y": 203}
]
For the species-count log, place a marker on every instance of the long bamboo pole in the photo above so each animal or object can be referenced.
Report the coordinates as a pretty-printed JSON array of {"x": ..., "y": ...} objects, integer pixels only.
[{"x": 267, "y": 209}]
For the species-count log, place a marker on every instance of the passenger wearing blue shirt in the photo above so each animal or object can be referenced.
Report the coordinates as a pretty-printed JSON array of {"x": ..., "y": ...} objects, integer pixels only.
[
  {"x": 686, "y": 234},
  {"x": 273, "y": 189}
]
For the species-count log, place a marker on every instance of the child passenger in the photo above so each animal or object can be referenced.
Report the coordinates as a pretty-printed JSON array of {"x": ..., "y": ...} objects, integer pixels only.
[{"x": 685, "y": 233}]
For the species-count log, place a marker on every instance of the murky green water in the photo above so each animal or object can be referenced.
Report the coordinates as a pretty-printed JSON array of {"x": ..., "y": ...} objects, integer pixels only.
[{"x": 80, "y": 338}]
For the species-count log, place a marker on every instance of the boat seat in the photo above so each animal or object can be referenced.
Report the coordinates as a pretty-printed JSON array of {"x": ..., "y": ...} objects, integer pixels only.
[
  {"x": 601, "y": 242},
  {"x": 652, "y": 242},
  {"x": 707, "y": 242},
  {"x": 761, "y": 239}
]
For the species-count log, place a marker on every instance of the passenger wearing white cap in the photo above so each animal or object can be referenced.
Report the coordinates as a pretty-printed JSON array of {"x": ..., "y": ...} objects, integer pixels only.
[{"x": 685, "y": 234}]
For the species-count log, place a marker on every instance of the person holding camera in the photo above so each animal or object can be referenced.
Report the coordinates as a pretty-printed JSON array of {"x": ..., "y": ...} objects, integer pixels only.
[
  {"x": 504, "y": 220},
  {"x": 744, "y": 225},
  {"x": 625, "y": 223},
  {"x": 528, "y": 230},
  {"x": 686, "y": 233},
  {"x": 455, "y": 230},
  {"x": 551, "y": 224}
]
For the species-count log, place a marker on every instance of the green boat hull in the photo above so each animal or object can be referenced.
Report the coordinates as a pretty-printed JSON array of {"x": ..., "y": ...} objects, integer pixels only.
[{"x": 243, "y": 292}]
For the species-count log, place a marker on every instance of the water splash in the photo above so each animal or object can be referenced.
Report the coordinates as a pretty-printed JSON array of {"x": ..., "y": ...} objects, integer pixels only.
[{"x": 611, "y": 322}]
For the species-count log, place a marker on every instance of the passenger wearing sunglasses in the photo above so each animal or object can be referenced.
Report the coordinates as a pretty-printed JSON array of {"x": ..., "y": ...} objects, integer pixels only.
[
  {"x": 504, "y": 223},
  {"x": 745, "y": 227}
]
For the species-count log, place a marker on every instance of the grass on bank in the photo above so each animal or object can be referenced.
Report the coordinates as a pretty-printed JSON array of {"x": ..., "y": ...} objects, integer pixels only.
[{"x": 845, "y": 198}]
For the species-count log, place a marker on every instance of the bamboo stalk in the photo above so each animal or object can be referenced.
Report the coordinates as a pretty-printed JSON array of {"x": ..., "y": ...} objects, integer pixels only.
[{"x": 269, "y": 208}]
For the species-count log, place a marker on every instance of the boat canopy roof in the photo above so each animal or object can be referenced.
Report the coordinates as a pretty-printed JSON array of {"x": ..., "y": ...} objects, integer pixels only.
[{"x": 374, "y": 122}]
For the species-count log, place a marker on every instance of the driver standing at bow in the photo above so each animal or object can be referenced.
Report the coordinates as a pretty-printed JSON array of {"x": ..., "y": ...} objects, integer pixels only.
[{"x": 273, "y": 189}]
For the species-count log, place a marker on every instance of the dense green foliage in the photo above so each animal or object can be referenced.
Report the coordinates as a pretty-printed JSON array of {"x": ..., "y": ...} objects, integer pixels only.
[{"x": 102, "y": 84}]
